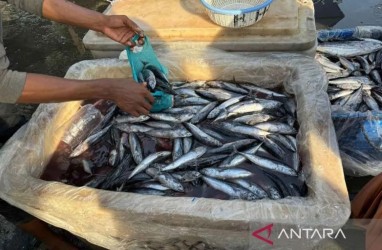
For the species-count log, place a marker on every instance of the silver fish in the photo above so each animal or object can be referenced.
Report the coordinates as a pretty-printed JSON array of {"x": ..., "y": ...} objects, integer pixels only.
[
  {"x": 187, "y": 144},
  {"x": 255, "y": 118},
  {"x": 363, "y": 108},
  {"x": 274, "y": 147},
  {"x": 227, "y": 86},
  {"x": 333, "y": 71},
  {"x": 157, "y": 72},
  {"x": 121, "y": 146},
  {"x": 352, "y": 80},
  {"x": 377, "y": 97},
  {"x": 118, "y": 175},
  {"x": 151, "y": 185},
  {"x": 184, "y": 159},
  {"x": 201, "y": 136},
  {"x": 281, "y": 139},
  {"x": 203, "y": 113},
  {"x": 296, "y": 162},
  {"x": 254, "y": 188},
  {"x": 186, "y": 176},
  {"x": 350, "y": 48},
  {"x": 115, "y": 135},
  {"x": 364, "y": 63},
  {"x": 159, "y": 124},
  {"x": 357, "y": 65},
  {"x": 270, "y": 164},
  {"x": 169, "y": 133},
  {"x": 88, "y": 166},
  {"x": 256, "y": 89},
  {"x": 215, "y": 112},
  {"x": 290, "y": 106},
  {"x": 370, "y": 102},
  {"x": 292, "y": 141},
  {"x": 339, "y": 74},
  {"x": 371, "y": 57},
  {"x": 133, "y": 128},
  {"x": 96, "y": 182},
  {"x": 347, "y": 64},
  {"x": 214, "y": 134},
  {"x": 290, "y": 120},
  {"x": 341, "y": 101},
  {"x": 177, "y": 150},
  {"x": 152, "y": 171},
  {"x": 378, "y": 58},
  {"x": 150, "y": 78},
  {"x": 229, "y": 147},
  {"x": 276, "y": 127},
  {"x": 193, "y": 85},
  {"x": 357, "y": 73},
  {"x": 131, "y": 119},
  {"x": 91, "y": 140},
  {"x": 148, "y": 191},
  {"x": 274, "y": 194},
  {"x": 233, "y": 192},
  {"x": 106, "y": 120},
  {"x": 179, "y": 102},
  {"x": 136, "y": 148},
  {"x": 354, "y": 101},
  {"x": 332, "y": 89},
  {"x": 148, "y": 161},
  {"x": 228, "y": 173},
  {"x": 186, "y": 109},
  {"x": 176, "y": 118},
  {"x": 186, "y": 92},
  {"x": 113, "y": 157},
  {"x": 324, "y": 61},
  {"x": 235, "y": 88},
  {"x": 216, "y": 94},
  {"x": 238, "y": 159},
  {"x": 243, "y": 129},
  {"x": 374, "y": 74},
  {"x": 168, "y": 181},
  {"x": 207, "y": 161},
  {"x": 342, "y": 93},
  {"x": 221, "y": 186},
  {"x": 253, "y": 106}
]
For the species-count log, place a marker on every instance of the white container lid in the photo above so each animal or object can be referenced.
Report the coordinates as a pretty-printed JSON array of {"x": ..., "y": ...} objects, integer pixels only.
[{"x": 288, "y": 26}]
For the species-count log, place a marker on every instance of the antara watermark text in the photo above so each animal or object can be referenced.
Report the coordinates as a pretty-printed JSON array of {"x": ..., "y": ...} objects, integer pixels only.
[
  {"x": 264, "y": 234},
  {"x": 311, "y": 233}
]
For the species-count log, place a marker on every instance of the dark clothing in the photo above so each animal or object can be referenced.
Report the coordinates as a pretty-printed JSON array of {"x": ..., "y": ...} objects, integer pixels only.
[
  {"x": 13, "y": 214},
  {"x": 11, "y": 86}
]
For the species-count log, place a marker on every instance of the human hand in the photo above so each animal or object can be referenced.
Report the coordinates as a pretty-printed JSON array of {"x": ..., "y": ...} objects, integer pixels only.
[
  {"x": 121, "y": 29},
  {"x": 130, "y": 96}
]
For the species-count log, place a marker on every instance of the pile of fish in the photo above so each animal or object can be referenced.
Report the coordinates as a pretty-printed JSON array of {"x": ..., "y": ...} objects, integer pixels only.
[
  {"x": 354, "y": 71},
  {"x": 220, "y": 140}
]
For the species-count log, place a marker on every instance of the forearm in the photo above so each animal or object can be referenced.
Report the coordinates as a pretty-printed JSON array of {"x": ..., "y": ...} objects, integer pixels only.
[
  {"x": 43, "y": 89},
  {"x": 66, "y": 12}
]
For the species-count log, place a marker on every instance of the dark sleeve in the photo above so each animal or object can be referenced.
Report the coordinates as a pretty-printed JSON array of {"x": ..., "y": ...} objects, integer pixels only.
[
  {"x": 32, "y": 6},
  {"x": 11, "y": 82}
]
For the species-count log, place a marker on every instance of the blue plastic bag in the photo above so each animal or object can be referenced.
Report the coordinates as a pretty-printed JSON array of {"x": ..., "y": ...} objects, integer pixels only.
[
  {"x": 140, "y": 56},
  {"x": 359, "y": 138}
]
